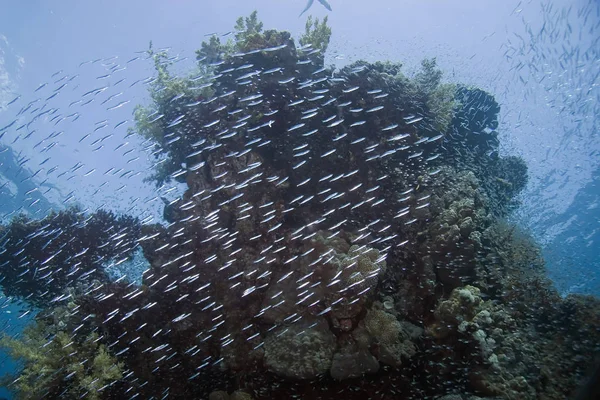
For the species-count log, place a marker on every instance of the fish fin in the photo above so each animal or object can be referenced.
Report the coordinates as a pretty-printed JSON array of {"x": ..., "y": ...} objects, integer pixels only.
[
  {"x": 308, "y": 5},
  {"x": 325, "y": 4}
]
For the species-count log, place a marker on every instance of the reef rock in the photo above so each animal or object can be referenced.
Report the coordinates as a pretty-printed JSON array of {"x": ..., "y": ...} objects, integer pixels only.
[
  {"x": 240, "y": 395},
  {"x": 352, "y": 362},
  {"x": 218, "y": 395},
  {"x": 300, "y": 351}
]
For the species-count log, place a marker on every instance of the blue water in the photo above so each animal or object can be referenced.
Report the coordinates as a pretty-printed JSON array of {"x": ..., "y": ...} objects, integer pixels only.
[
  {"x": 10, "y": 324},
  {"x": 573, "y": 256}
]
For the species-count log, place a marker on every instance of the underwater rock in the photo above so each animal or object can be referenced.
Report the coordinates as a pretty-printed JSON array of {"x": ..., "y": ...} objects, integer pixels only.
[
  {"x": 350, "y": 361},
  {"x": 218, "y": 395},
  {"x": 240, "y": 395},
  {"x": 300, "y": 351}
]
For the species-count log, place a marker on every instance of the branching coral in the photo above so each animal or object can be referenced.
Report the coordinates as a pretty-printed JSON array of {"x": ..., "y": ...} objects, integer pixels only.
[
  {"x": 440, "y": 98},
  {"x": 57, "y": 363},
  {"x": 427, "y": 88},
  {"x": 316, "y": 36},
  {"x": 247, "y": 29},
  {"x": 169, "y": 96}
]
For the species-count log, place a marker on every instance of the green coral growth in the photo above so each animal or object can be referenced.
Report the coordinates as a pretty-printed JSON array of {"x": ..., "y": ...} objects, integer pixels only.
[
  {"x": 424, "y": 91},
  {"x": 213, "y": 50},
  {"x": 56, "y": 363},
  {"x": 248, "y": 35},
  {"x": 440, "y": 97},
  {"x": 317, "y": 34},
  {"x": 430, "y": 77},
  {"x": 247, "y": 27},
  {"x": 169, "y": 94}
]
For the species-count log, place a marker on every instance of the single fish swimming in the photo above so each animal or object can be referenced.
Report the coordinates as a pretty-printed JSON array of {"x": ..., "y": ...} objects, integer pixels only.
[{"x": 310, "y": 3}]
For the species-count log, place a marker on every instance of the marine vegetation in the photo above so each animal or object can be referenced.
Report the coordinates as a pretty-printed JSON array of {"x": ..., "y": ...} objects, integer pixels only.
[
  {"x": 341, "y": 234},
  {"x": 316, "y": 36},
  {"x": 58, "y": 364}
]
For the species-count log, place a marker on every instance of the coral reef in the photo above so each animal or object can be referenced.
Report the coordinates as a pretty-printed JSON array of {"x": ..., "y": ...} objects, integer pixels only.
[
  {"x": 342, "y": 233},
  {"x": 461, "y": 307},
  {"x": 222, "y": 395},
  {"x": 517, "y": 354},
  {"x": 41, "y": 258},
  {"x": 343, "y": 283},
  {"x": 351, "y": 361}
]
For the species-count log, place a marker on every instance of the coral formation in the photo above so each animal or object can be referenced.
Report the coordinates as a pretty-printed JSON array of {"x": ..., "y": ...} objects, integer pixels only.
[
  {"x": 301, "y": 351},
  {"x": 316, "y": 38},
  {"x": 461, "y": 307},
  {"x": 336, "y": 226},
  {"x": 351, "y": 361},
  {"x": 392, "y": 337},
  {"x": 222, "y": 395},
  {"x": 56, "y": 364},
  {"x": 41, "y": 258}
]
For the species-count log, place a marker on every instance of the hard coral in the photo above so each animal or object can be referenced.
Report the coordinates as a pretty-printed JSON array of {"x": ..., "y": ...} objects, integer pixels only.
[
  {"x": 300, "y": 351},
  {"x": 462, "y": 305},
  {"x": 392, "y": 336},
  {"x": 344, "y": 279}
]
